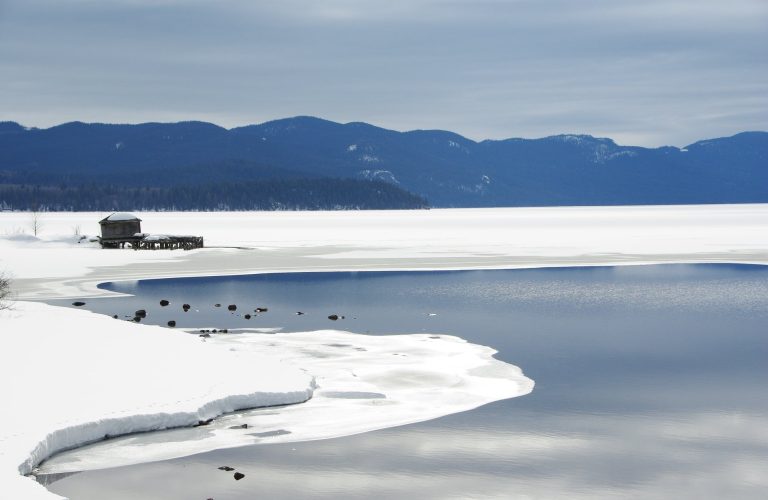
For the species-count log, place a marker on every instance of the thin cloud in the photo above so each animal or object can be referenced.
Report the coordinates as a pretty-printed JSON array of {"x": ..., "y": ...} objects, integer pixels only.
[{"x": 656, "y": 72}]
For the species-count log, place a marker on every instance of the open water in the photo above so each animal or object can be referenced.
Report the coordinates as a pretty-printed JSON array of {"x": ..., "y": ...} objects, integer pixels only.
[{"x": 650, "y": 383}]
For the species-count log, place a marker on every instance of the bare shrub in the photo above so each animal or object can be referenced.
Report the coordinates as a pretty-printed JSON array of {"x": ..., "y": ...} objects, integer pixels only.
[
  {"x": 5, "y": 292},
  {"x": 35, "y": 223}
]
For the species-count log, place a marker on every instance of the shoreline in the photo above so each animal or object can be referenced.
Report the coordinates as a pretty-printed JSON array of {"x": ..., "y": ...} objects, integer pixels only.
[
  {"x": 452, "y": 239},
  {"x": 90, "y": 288},
  {"x": 440, "y": 239}
]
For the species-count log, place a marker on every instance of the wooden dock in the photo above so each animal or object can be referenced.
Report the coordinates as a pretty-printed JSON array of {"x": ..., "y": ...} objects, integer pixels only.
[{"x": 153, "y": 242}]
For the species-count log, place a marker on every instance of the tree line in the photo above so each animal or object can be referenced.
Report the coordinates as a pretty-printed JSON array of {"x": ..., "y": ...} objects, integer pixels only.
[{"x": 268, "y": 194}]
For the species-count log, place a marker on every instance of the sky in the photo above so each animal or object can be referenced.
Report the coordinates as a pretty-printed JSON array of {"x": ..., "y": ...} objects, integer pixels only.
[{"x": 643, "y": 72}]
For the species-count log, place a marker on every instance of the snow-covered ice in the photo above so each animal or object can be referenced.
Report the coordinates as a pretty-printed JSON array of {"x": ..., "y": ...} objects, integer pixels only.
[
  {"x": 364, "y": 383},
  {"x": 69, "y": 377},
  {"x": 395, "y": 240}
]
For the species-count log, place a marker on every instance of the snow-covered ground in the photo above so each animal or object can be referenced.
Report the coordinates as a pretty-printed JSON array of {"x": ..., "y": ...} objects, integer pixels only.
[
  {"x": 69, "y": 377},
  {"x": 423, "y": 239}
]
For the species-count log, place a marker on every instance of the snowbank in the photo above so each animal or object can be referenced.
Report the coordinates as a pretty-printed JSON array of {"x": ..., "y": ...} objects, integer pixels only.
[{"x": 71, "y": 377}]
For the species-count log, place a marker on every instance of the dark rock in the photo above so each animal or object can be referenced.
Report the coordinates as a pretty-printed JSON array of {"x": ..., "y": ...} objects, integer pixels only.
[
  {"x": 171, "y": 323},
  {"x": 216, "y": 305},
  {"x": 204, "y": 422},
  {"x": 141, "y": 313},
  {"x": 239, "y": 476},
  {"x": 213, "y": 331},
  {"x": 164, "y": 302},
  {"x": 114, "y": 316},
  {"x": 223, "y": 330},
  {"x": 137, "y": 319},
  {"x": 78, "y": 304},
  {"x": 261, "y": 309},
  {"x": 247, "y": 316},
  {"x": 299, "y": 313},
  {"x": 186, "y": 307},
  {"x": 205, "y": 335},
  {"x": 243, "y": 426},
  {"x": 226, "y": 468},
  {"x": 333, "y": 317},
  {"x": 232, "y": 307}
]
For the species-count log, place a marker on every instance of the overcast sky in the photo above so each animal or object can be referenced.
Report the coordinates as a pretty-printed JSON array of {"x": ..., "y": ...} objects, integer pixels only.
[{"x": 644, "y": 72}]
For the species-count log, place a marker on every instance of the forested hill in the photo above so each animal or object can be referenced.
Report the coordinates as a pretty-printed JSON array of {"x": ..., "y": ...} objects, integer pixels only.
[{"x": 442, "y": 167}]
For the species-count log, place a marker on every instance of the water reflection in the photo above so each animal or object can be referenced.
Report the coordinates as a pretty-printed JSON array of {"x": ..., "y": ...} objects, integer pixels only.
[
  {"x": 650, "y": 384},
  {"x": 578, "y": 456}
]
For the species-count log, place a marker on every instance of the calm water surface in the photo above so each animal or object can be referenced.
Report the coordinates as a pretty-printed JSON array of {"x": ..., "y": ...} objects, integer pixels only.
[{"x": 650, "y": 383}]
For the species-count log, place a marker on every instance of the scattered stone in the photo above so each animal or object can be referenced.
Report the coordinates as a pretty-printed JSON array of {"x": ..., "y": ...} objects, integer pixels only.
[
  {"x": 247, "y": 316},
  {"x": 226, "y": 468},
  {"x": 137, "y": 319},
  {"x": 164, "y": 302},
  {"x": 186, "y": 307},
  {"x": 205, "y": 335},
  {"x": 141, "y": 313},
  {"x": 78, "y": 304},
  {"x": 333, "y": 317},
  {"x": 261, "y": 309},
  {"x": 223, "y": 330},
  {"x": 232, "y": 307},
  {"x": 213, "y": 331},
  {"x": 216, "y": 305},
  {"x": 171, "y": 323},
  {"x": 239, "y": 476}
]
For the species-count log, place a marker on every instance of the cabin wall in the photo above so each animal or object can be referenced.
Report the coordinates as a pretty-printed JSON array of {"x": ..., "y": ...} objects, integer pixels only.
[{"x": 120, "y": 229}]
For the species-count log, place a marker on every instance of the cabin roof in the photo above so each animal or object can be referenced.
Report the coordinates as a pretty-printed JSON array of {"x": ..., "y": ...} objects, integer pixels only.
[{"x": 119, "y": 217}]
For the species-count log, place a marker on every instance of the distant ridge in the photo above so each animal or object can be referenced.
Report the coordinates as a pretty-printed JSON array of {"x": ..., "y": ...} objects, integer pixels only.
[{"x": 443, "y": 167}]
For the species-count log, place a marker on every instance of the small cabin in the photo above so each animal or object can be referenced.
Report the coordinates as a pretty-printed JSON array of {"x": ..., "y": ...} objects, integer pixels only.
[
  {"x": 121, "y": 229},
  {"x": 120, "y": 225}
]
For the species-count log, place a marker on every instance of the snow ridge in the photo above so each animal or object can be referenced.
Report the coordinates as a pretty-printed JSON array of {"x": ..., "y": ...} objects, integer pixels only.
[
  {"x": 66, "y": 386},
  {"x": 127, "y": 423}
]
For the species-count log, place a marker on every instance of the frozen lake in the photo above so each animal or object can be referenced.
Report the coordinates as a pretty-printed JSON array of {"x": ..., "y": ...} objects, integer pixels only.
[{"x": 650, "y": 382}]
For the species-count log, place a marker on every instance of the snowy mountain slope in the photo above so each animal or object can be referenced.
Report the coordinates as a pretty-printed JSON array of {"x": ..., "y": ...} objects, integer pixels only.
[{"x": 446, "y": 168}]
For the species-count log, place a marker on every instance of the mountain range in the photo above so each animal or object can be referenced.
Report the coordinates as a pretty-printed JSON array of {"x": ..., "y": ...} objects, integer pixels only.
[{"x": 442, "y": 167}]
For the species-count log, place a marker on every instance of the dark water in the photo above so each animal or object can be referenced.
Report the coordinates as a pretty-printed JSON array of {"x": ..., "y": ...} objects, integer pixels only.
[{"x": 650, "y": 383}]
